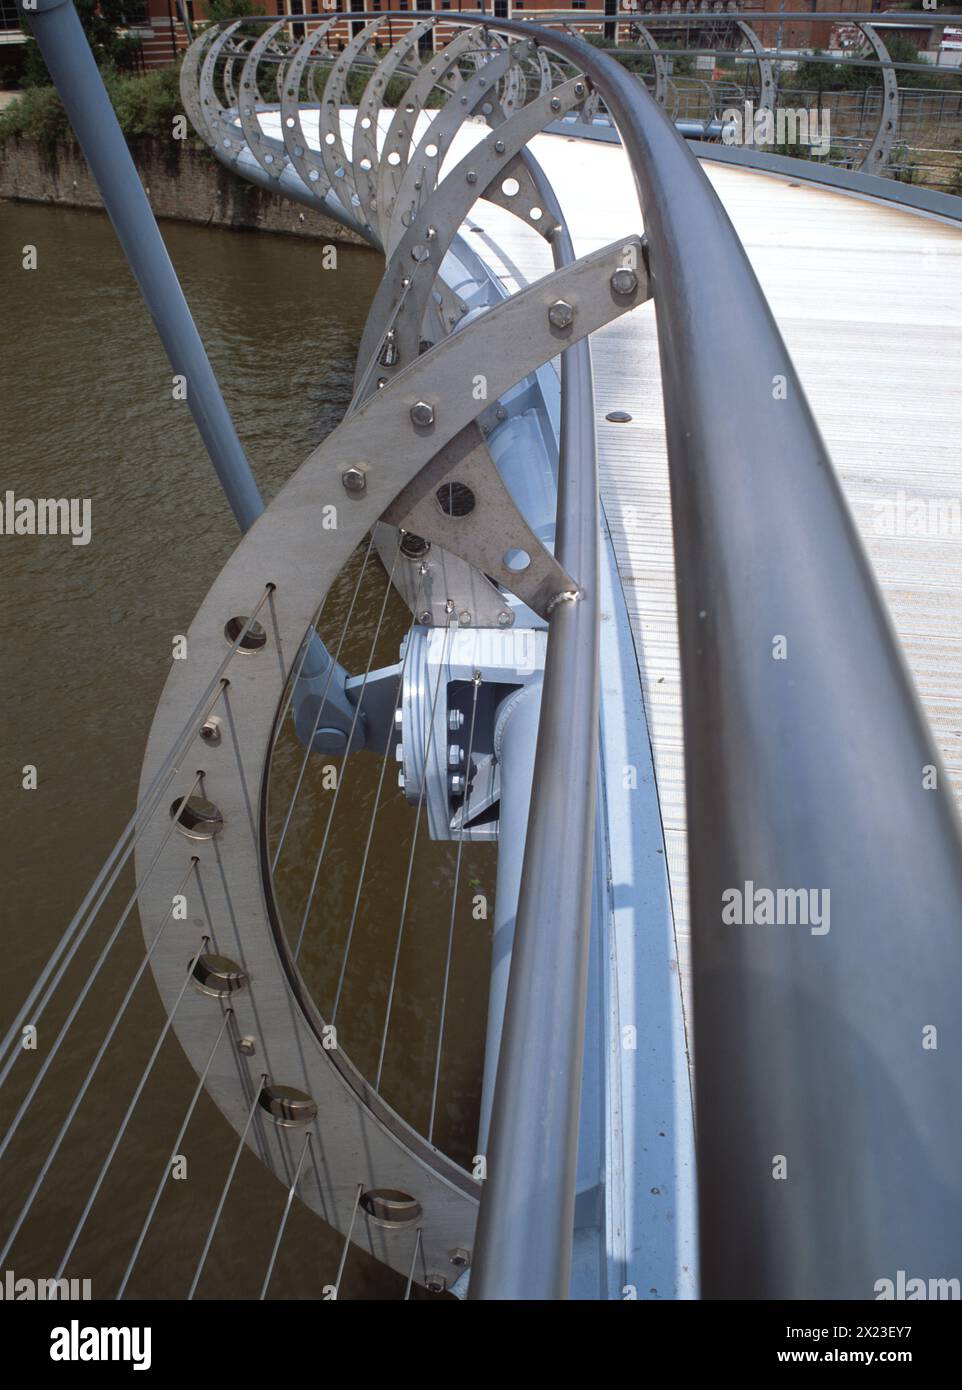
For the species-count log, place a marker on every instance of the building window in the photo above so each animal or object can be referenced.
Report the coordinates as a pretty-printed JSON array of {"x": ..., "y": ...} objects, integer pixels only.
[
  {"x": 500, "y": 9},
  {"x": 577, "y": 4},
  {"x": 314, "y": 7}
]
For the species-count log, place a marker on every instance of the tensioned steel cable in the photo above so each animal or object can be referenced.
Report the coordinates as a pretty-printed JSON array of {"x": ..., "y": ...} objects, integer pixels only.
[
  {"x": 414, "y": 1260},
  {"x": 414, "y": 843},
  {"x": 131, "y": 1107},
  {"x": 227, "y": 1185},
  {"x": 340, "y": 781},
  {"x": 228, "y": 1014},
  {"x": 377, "y": 794},
  {"x": 454, "y": 903},
  {"x": 347, "y": 1241},
  {"x": 109, "y": 873},
  {"x": 309, "y": 745},
  {"x": 284, "y": 1215},
  {"x": 48, "y": 1161},
  {"x": 48, "y": 1060}
]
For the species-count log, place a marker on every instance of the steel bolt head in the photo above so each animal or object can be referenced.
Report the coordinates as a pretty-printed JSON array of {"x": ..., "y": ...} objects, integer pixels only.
[
  {"x": 459, "y": 1258},
  {"x": 354, "y": 480},
  {"x": 457, "y": 783},
  {"x": 455, "y": 718},
  {"x": 425, "y": 617},
  {"x": 624, "y": 280},
  {"x": 398, "y": 718},
  {"x": 499, "y": 146},
  {"x": 504, "y": 618},
  {"x": 455, "y": 755},
  {"x": 471, "y": 176},
  {"x": 561, "y": 314},
  {"x": 400, "y": 778},
  {"x": 422, "y": 413},
  {"x": 556, "y": 103}
]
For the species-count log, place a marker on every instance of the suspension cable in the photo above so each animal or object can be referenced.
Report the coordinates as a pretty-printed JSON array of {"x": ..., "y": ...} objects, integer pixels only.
[
  {"x": 340, "y": 781},
  {"x": 377, "y": 797},
  {"x": 227, "y": 1185},
  {"x": 78, "y": 927},
  {"x": 228, "y": 1014},
  {"x": 284, "y": 1215},
  {"x": 414, "y": 842}
]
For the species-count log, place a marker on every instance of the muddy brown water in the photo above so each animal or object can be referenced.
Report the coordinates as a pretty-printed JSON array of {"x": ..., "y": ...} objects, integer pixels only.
[{"x": 87, "y": 412}]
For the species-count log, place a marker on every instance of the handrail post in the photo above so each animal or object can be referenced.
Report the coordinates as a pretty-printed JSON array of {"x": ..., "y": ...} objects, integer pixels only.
[{"x": 526, "y": 1221}]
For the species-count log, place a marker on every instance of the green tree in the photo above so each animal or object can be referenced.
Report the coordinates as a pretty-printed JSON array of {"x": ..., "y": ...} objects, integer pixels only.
[{"x": 102, "y": 22}]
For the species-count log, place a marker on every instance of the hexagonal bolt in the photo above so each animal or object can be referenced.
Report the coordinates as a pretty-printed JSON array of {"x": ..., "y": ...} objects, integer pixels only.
[
  {"x": 464, "y": 618},
  {"x": 422, "y": 413},
  {"x": 354, "y": 481},
  {"x": 556, "y": 103},
  {"x": 455, "y": 755},
  {"x": 504, "y": 618},
  {"x": 400, "y": 778},
  {"x": 247, "y": 1045},
  {"x": 455, "y": 719},
  {"x": 460, "y": 1257},
  {"x": 399, "y": 752},
  {"x": 561, "y": 314},
  {"x": 426, "y": 617},
  {"x": 624, "y": 280},
  {"x": 457, "y": 784},
  {"x": 398, "y": 718}
]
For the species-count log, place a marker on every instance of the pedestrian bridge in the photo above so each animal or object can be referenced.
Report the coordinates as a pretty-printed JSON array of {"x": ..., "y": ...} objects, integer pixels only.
[{"x": 657, "y": 440}]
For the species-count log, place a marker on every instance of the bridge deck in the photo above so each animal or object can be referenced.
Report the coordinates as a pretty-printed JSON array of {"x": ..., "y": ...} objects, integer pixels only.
[{"x": 869, "y": 299}]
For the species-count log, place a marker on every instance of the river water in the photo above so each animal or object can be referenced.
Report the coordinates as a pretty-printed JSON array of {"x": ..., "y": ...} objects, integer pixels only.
[{"x": 87, "y": 412}]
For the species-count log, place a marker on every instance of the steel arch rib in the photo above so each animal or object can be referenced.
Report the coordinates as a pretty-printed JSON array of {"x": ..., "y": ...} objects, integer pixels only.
[
  {"x": 445, "y": 211},
  {"x": 877, "y": 155},
  {"x": 365, "y": 155},
  {"x": 397, "y": 144},
  {"x": 288, "y": 553},
  {"x": 307, "y": 164},
  {"x": 265, "y": 151},
  {"x": 333, "y": 153},
  {"x": 421, "y": 174}
]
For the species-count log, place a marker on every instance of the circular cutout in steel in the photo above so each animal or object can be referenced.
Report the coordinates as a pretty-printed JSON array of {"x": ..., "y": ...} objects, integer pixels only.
[
  {"x": 455, "y": 499},
  {"x": 618, "y": 417},
  {"x": 385, "y": 1206},
  {"x": 413, "y": 547},
  {"x": 253, "y": 640},
  {"x": 510, "y": 188},
  {"x": 287, "y": 1106},
  {"x": 218, "y": 976},
  {"x": 197, "y": 818},
  {"x": 516, "y": 560}
]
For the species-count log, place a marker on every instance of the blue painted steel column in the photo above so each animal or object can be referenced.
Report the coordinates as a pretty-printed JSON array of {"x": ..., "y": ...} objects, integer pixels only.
[{"x": 71, "y": 63}]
